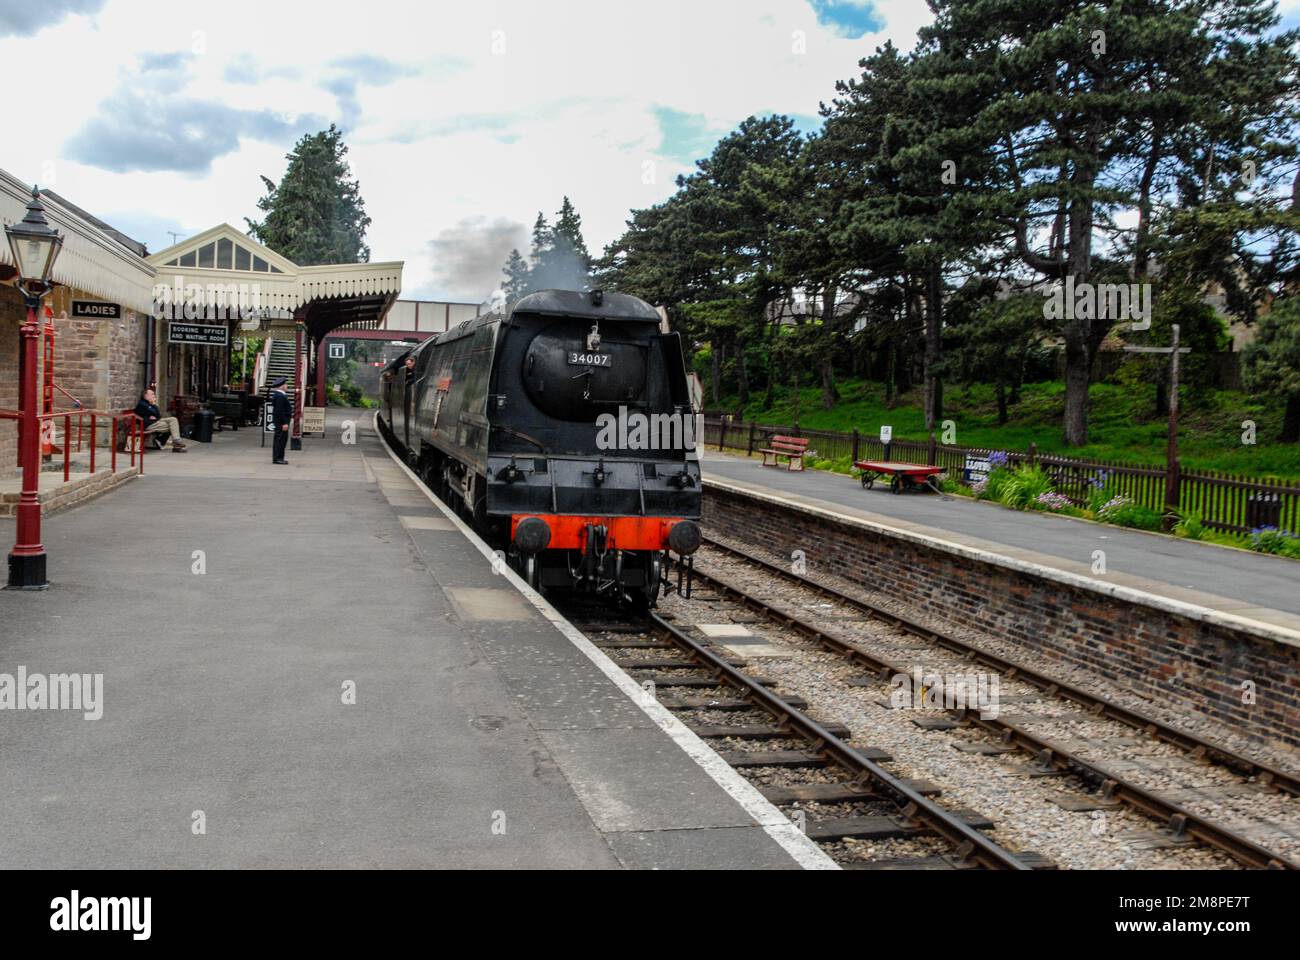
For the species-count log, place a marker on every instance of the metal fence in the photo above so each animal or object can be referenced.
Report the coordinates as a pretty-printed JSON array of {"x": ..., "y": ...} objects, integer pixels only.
[{"x": 1226, "y": 502}]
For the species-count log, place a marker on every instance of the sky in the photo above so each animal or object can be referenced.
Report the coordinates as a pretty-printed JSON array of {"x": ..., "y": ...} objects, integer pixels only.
[{"x": 464, "y": 119}]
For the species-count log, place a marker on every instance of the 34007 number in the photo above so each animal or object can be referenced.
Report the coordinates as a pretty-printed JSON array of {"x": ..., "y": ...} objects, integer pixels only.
[{"x": 590, "y": 359}]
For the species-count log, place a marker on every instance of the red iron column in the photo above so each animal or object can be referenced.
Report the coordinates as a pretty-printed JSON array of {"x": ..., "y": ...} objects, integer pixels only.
[{"x": 27, "y": 561}]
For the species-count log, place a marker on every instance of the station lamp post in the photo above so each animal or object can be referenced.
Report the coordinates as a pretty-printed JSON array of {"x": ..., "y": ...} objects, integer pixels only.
[{"x": 35, "y": 246}]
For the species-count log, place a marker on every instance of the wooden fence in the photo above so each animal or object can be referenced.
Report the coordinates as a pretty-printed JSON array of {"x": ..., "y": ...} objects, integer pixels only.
[{"x": 1226, "y": 502}]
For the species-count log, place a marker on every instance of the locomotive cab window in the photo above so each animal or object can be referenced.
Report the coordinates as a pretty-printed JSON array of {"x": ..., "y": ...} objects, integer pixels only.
[{"x": 572, "y": 376}]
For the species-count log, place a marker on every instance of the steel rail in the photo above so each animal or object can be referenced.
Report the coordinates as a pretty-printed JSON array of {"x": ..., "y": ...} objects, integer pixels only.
[
  {"x": 1178, "y": 819},
  {"x": 1196, "y": 746},
  {"x": 970, "y": 843}
]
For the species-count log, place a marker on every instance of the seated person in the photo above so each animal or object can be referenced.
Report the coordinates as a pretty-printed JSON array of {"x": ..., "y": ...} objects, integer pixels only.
[{"x": 154, "y": 422}]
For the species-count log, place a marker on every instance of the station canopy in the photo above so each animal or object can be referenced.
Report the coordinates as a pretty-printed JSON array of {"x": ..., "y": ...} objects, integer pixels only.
[
  {"x": 96, "y": 260},
  {"x": 323, "y": 298}
]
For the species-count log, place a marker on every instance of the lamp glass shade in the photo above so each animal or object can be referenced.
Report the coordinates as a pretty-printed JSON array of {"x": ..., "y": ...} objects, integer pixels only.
[{"x": 34, "y": 251}]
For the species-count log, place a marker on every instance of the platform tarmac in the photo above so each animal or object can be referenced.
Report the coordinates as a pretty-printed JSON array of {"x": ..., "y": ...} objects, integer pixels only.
[
  {"x": 1251, "y": 586},
  {"x": 233, "y": 606}
]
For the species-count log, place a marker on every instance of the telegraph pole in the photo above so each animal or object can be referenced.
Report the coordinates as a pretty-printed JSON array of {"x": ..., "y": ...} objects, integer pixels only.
[{"x": 1172, "y": 469}]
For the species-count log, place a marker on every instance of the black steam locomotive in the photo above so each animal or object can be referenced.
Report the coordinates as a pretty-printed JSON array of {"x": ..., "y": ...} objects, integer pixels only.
[{"x": 562, "y": 428}]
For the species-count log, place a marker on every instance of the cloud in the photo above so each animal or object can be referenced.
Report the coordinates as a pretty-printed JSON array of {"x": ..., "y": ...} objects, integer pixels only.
[
  {"x": 375, "y": 71},
  {"x": 157, "y": 62},
  {"x": 848, "y": 18},
  {"x": 151, "y": 133},
  {"x": 248, "y": 70},
  {"x": 444, "y": 123},
  {"x": 350, "y": 73},
  {"x": 23, "y": 18},
  {"x": 467, "y": 258}
]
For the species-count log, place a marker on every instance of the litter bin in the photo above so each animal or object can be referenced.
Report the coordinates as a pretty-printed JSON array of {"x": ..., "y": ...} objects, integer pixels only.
[
  {"x": 204, "y": 421},
  {"x": 1263, "y": 510}
]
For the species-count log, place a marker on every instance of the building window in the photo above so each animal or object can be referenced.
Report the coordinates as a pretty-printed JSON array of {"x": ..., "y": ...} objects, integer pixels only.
[
  {"x": 225, "y": 254},
  {"x": 207, "y": 255},
  {"x": 187, "y": 260},
  {"x": 259, "y": 265},
  {"x": 243, "y": 259}
]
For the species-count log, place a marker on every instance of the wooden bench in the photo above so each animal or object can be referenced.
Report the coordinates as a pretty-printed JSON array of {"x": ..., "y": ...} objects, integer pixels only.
[
  {"x": 128, "y": 442},
  {"x": 792, "y": 448}
]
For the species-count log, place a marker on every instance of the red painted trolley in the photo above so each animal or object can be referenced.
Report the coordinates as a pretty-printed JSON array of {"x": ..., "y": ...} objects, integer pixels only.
[{"x": 902, "y": 476}]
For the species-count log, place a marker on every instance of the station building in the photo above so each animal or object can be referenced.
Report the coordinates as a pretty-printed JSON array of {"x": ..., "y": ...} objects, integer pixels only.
[
  {"x": 122, "y": 318},
  {"x": 99, "y": 352},
  {"x": 222, "y": 284}
]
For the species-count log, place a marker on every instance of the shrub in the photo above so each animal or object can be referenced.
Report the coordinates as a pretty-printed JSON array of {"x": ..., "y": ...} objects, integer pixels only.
[
  {"x": 1053, "y": 501},
  {"x": 844, "y": 464},
  {"x": 1123, "y": 512},
  {"x": 955, "y": 487},
  {"x": 1272, "y": 540},
  {"x": 994, "y": 484},
  {"x": 1191, "y": 524},
  {"x": 1024, "y": 486},
  {"x": 1100, "y": 491}
]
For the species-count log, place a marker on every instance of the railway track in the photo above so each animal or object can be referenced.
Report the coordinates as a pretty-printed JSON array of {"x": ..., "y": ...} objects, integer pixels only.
[
  {"x": 754, "y": 728},
  {"x": 1110, "y": 788},
  {"x": 802, "y": 764}
]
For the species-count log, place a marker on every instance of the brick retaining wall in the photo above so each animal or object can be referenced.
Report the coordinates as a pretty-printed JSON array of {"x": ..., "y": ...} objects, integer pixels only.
[
  {"x": 71, "y": 494},
  {"x": 1180, "y": 656}
]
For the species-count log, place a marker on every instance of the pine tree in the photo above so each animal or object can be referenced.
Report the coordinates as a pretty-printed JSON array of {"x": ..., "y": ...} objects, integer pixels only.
[
  {"x": 316, "y": 214},
  {"x": 1084, "y": 106},
  {"x": 517, "y": 275},
  {"x": 541, "y": 240},
  {"x": 567, "y": 235},
  {"x": 1272, "y": 363},
  {"x": 560, "y": 259}
]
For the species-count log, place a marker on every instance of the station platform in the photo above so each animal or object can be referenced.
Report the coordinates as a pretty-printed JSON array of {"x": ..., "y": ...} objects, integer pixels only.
[
  {"x": 232, "y": 605},
  {"x": 1250, "y": 586}
]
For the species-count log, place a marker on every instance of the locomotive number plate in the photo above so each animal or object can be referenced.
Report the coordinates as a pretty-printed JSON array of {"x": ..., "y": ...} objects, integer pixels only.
[{"x": 590, "y": 359}]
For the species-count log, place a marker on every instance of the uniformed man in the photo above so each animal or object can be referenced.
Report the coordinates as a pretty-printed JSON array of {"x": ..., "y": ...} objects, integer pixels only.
[{"x": 281, "y": 415}]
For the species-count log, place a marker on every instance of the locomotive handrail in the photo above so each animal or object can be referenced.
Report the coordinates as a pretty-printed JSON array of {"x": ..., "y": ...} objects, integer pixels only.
[{"x": 521, "y": 435}]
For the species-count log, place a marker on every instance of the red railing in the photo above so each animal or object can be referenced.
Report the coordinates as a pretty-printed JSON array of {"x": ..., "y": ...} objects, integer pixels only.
[{"x": 135, "y": 436}]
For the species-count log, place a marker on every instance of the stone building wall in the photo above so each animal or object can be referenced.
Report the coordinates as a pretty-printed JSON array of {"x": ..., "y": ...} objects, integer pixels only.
[
  {"x": 100, "y": 361},
  {"x": 97, "y": 361}
]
